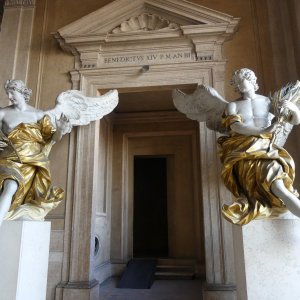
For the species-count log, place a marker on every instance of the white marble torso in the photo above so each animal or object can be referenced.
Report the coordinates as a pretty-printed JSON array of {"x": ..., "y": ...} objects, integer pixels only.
[
  {"x": 254, "y": 112},
  {"x": 10, "y": 117}
]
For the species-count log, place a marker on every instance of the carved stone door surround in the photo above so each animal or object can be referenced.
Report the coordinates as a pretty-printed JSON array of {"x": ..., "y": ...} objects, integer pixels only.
[{"x": 137, "y": 44}]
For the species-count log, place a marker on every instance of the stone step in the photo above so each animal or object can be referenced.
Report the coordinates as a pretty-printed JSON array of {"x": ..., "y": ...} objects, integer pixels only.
[
  {"x": 174, "y": 275},
  {"x": 176, "y": 262},
  {"x": 175, "y": 269}
]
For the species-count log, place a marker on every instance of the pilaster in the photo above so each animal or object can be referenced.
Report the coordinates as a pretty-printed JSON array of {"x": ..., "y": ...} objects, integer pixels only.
[
  {"x": 78, "y": 278},
  {"x": 220, "y": 272},
  {"x": 15, "y": 41}
]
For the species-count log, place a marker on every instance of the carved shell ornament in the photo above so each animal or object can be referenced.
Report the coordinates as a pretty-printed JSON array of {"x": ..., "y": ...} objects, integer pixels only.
[{"x": 145, "y": 22}]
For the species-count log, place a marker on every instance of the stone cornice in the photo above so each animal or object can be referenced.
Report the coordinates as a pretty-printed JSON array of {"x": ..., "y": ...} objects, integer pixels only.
[
  {"x": 121, "y": 30},
  {"x": 18, "y": 3}
]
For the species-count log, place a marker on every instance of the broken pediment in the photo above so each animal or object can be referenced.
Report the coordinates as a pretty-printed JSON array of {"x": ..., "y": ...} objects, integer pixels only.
[{"x": 135, "y": 32}]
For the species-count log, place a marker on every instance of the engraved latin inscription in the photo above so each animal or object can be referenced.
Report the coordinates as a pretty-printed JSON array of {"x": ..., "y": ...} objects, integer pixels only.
[{"x": 154, "y": 57}]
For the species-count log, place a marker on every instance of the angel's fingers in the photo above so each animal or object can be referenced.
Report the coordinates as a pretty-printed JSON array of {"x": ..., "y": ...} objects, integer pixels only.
[
  {"x": 65, "y": 119},
  {"x": 68, "y": 129}
]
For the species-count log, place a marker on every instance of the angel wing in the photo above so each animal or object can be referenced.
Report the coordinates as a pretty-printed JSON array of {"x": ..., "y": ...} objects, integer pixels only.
[
  {"x": 290, "y": 93},
  {"x": 81, "y": 110},
  {"x": 204, "y": 104}
]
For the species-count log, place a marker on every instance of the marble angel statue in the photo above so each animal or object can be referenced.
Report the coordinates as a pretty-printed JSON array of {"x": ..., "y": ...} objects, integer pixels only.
[
  {"x": 26, "y": 138},
  {"x": 256, "y": 169}
]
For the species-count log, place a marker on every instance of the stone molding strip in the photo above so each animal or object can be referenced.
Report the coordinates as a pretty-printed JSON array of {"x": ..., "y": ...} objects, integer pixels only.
[
  {"x": 78, "y": 284},
  {"x": 18, "y": 3}
]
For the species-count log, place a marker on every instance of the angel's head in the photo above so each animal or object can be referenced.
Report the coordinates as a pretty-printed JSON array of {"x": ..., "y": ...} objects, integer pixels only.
[
  {"x": 243, "y": 77},
  {"x": 15, "y": 86}
]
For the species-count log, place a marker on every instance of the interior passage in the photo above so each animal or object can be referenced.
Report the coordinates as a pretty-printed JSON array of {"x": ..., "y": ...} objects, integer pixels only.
[{"x": 150, "y": 224}]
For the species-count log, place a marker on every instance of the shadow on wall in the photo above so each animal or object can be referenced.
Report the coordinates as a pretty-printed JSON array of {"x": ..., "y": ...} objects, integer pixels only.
[{"x": 1, "y": 11}]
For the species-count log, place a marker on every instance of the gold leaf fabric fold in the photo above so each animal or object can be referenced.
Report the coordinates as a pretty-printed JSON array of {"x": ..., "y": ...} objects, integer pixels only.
[
  {"x": 250, "y": 166},
  {"x": 26, "y": 161}
]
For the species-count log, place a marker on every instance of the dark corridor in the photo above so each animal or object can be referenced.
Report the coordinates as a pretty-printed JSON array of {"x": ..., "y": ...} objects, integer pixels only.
[{"x": 150, "y": 223}]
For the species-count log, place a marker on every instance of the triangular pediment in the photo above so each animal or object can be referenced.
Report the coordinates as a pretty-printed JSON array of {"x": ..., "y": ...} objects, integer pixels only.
[
  {"x": 135, "y": 32},
  {"x": 120, "y": 14}
]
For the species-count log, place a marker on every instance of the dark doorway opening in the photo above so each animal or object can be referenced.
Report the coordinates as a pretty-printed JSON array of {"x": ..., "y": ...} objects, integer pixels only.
[{"x": 150, "y": 222}]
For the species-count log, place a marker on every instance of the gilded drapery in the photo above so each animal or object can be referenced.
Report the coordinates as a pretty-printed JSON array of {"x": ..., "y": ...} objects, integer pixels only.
[
  {"x": 25, "y": 160},
  {"x": 250, "y": 166}
]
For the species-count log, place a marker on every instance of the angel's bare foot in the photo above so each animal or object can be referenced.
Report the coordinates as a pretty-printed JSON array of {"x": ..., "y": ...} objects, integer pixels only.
[
  {"x": 9, "y": 189},
  {"x": 289, "y": 199}
]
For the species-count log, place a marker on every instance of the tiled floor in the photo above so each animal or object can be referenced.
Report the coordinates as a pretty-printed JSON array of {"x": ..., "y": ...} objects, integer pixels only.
[{"x": 160, "y": 290}]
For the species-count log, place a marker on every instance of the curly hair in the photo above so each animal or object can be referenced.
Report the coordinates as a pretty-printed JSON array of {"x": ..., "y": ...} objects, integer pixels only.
[
  {"x": 247, "y": 74},
  {"x": 18, "y": 85}
]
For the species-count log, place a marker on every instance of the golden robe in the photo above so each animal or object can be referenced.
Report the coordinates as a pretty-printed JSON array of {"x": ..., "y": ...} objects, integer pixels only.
[
  {"x": 25, "y": 160},
  {"x": 250, "y": 166}
]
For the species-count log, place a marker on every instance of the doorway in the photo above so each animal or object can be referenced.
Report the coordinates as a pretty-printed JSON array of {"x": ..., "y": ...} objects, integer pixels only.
[{"x": 150, "y": 218}]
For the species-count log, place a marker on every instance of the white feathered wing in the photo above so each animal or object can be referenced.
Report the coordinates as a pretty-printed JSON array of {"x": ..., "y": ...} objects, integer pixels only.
[
  {"x": 205, "y": 104},
  {"x": 81, "y": 110}
]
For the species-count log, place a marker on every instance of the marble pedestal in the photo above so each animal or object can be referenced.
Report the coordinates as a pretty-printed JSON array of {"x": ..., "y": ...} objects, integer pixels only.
[
  {"x": 268, "y": 260},
  {"x": 24, "y": 252}
]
